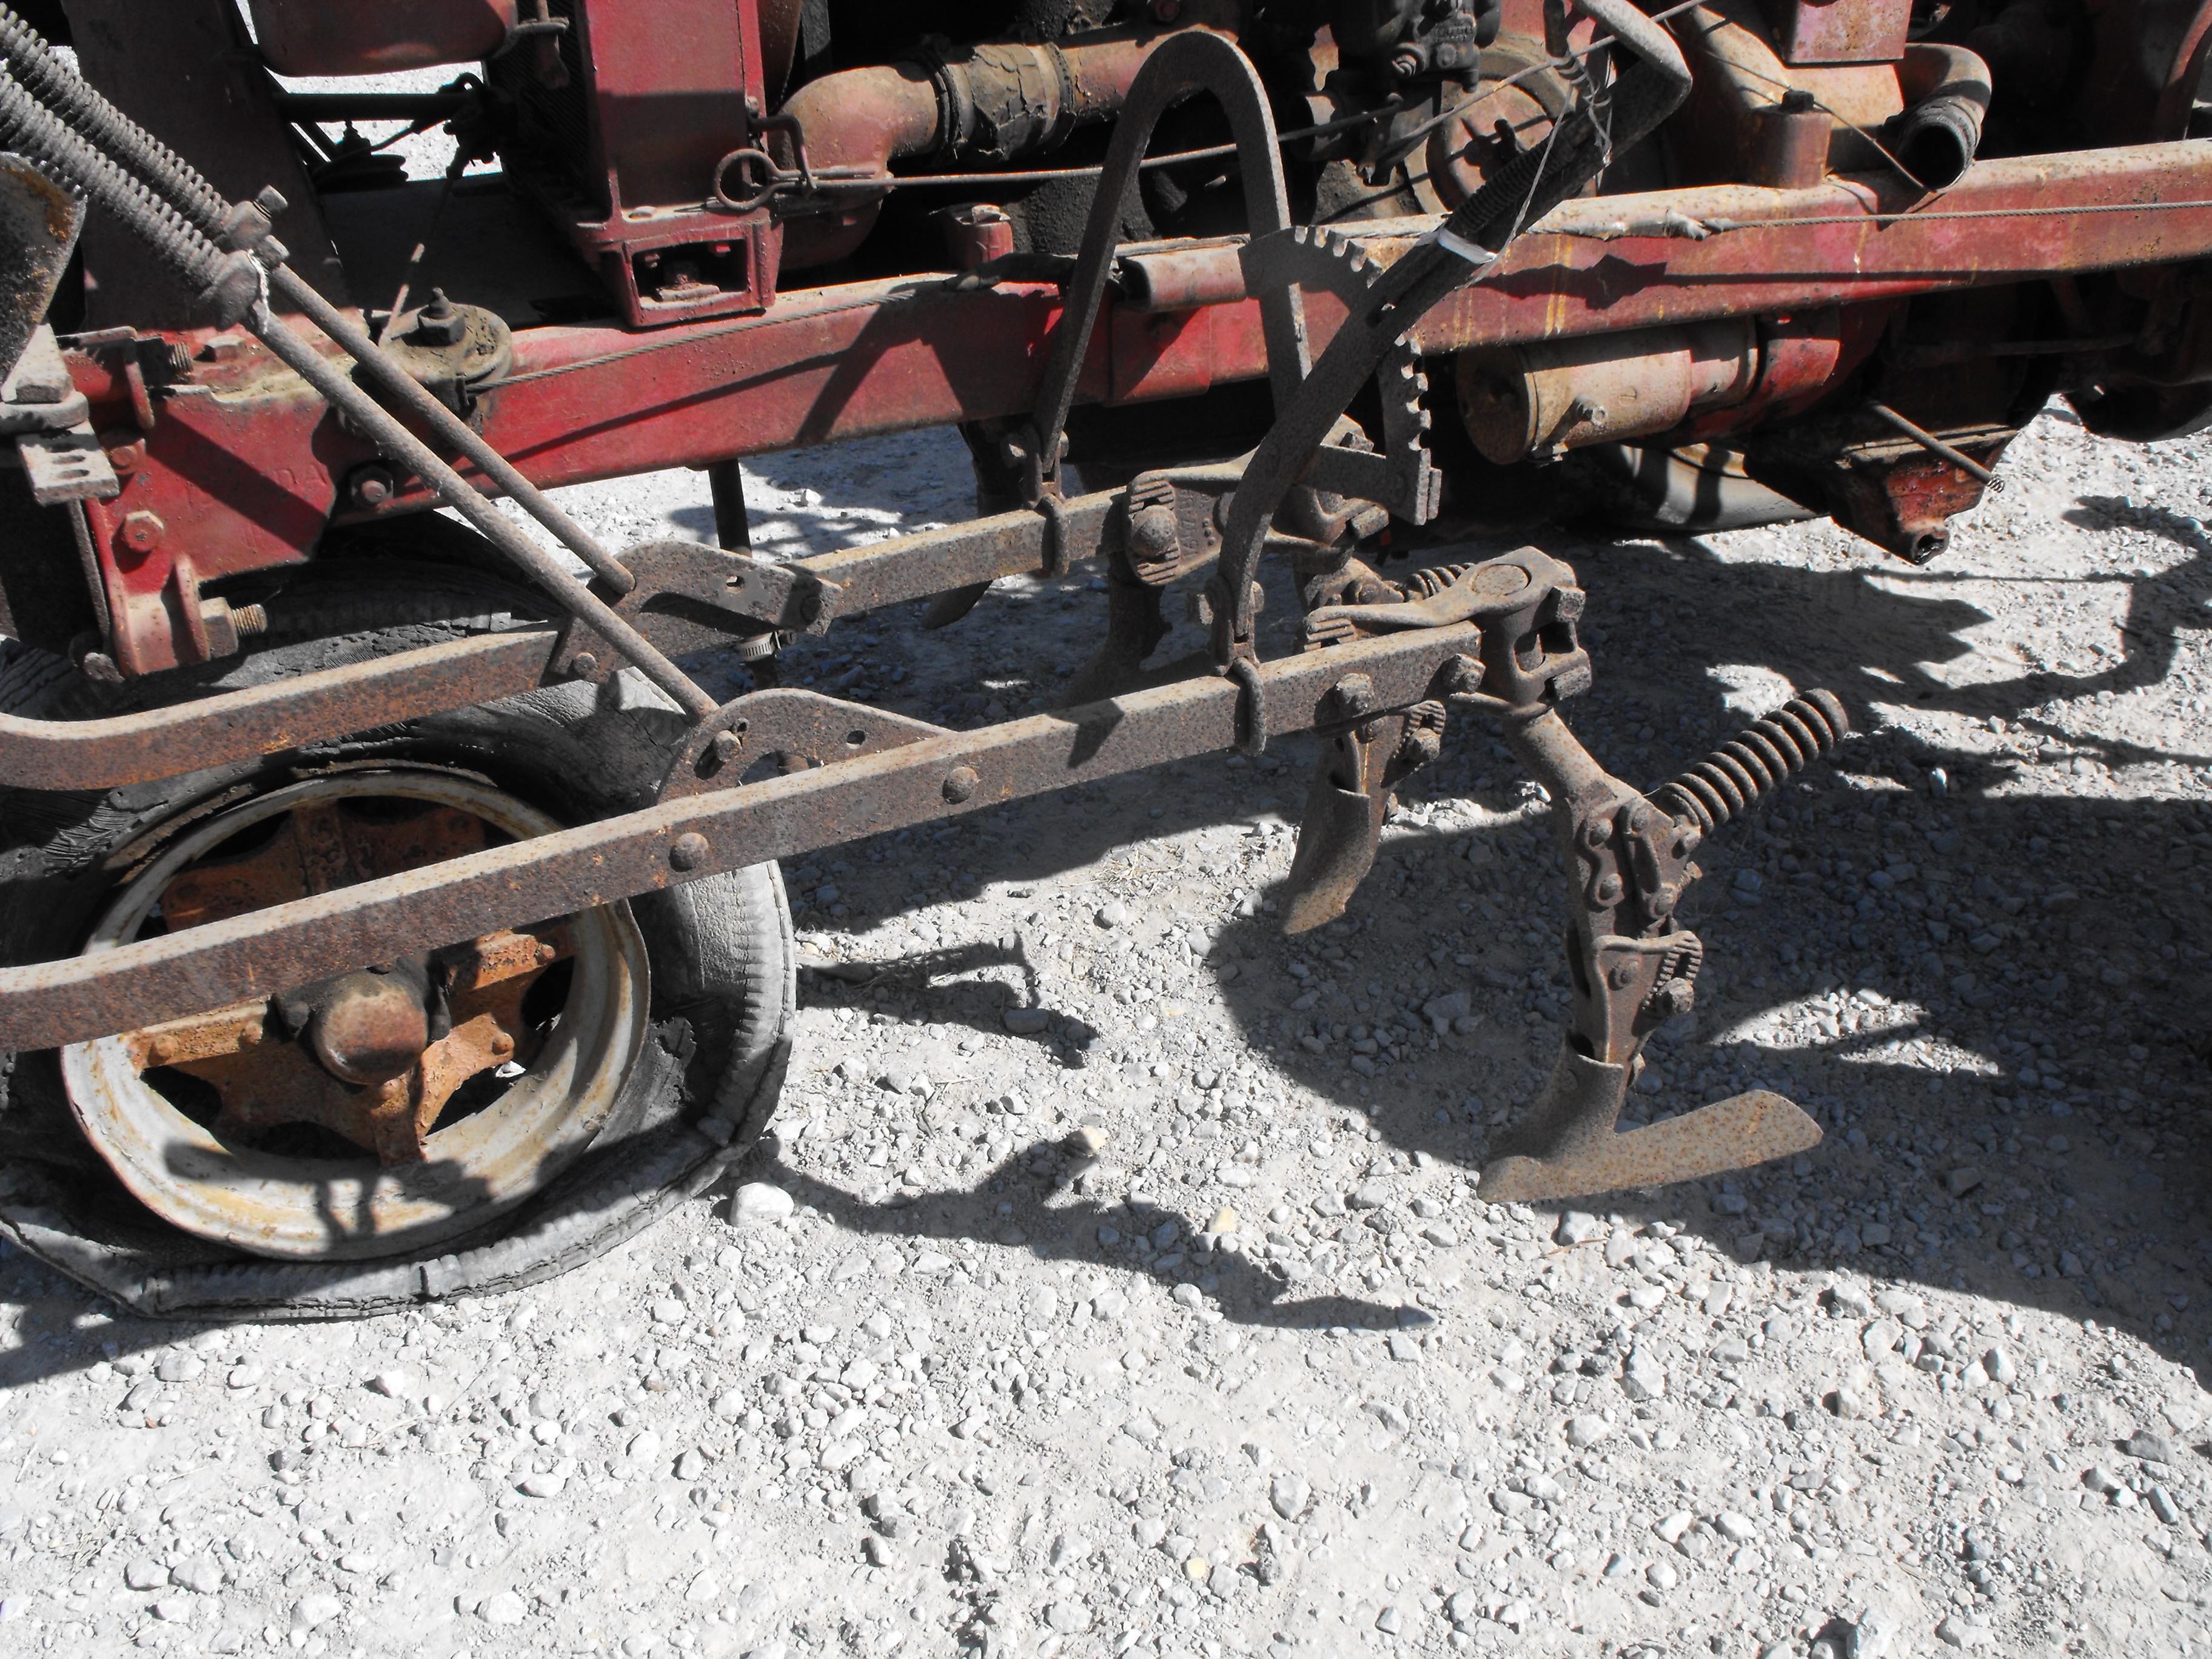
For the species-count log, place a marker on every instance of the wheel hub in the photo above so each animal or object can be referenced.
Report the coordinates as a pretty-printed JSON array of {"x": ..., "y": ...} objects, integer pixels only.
[{"x": 468, "y": 1073}]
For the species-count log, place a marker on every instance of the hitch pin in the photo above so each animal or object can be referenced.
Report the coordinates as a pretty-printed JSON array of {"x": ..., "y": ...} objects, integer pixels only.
[{"x": 1936, "y": 446}]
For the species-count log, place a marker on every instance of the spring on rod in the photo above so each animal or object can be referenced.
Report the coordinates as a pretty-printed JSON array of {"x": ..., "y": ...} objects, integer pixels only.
[{"x": 1734, "y": 776}]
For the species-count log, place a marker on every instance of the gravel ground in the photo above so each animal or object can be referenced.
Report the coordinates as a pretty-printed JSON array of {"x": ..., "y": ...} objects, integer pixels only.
[{"x": 1118, "y": 1282}]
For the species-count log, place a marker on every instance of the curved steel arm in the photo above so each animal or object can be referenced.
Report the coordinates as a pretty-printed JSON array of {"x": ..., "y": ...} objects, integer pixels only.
[{"x": 1198, "y": 60}]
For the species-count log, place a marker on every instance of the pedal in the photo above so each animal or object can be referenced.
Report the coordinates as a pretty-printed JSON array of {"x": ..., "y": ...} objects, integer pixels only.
[{"x": 1570, "y": 1146}]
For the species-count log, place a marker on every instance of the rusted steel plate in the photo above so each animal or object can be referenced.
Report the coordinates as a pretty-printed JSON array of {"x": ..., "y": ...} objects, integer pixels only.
[
  {"x": 49, "y": 1003},
  {"x": 262, "y": 719}
]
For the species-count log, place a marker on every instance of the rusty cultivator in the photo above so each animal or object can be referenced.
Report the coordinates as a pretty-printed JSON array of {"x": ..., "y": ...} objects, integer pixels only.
[{"x": 388, "y": 911}]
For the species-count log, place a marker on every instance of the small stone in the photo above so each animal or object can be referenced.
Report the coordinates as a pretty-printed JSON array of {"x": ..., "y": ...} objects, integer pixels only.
[
  {"x": 145, "y": 1575},
  {"x": 1368, "y": 1196},
  {"x": 1872, "y": 1637},
  {"x": 1644, "y": 1378},
  {"x": 310, "y": 1611},
  {"x": 1620, "y": 1248},
  {"x": 1222, "y": 1581},
  {"x": 173, "y": 1609},
  {"x": 1587, "y": 1430},
  {"x": 243, "y": 1376},
  {"x": 1736, "y": 1528},
  {"x": 1850, "y": 1404},
  {"x": 1024, "y": 1021},
  {"x": 1389, "y": 1621},
  {"x": 2148, "y": 1447},
  {"x": 542, "y": 1486},
  {"x": 392, "y": 1385},
  {"x": 1961, "y": 1181},
  {"x": 1225, "y": 1221},
  {"x": 1069, "y": 1618},
  {"x": 879, "y": 1551},
  {"x": 1661, "y": 1577},
  {"x": 1404, "y": 1347},
  {"x": 1109, "y": 1304},
  {"x": 691, "y": 1464},
  {"x": 1578, "y": 1227},
  {"x": 1087, "y": 1140},
  {"x": 729, "y": 1405},
  {"x": 1958, "y": 1632},
  {"x": 504, "y": 1608},
  {"x": 2163, "y": 1506},
  {"x": 644, "y": 1448},
  {"x": 2100, "y": 1480},
  {"x": 1113, "y": 913},
  {"x": 1850, "y": 1300},
  {"x": 759, "y": 1204},
  {"x": 1287, "y": 1495},
  {"x": 179, "y": 1367},
  {"x": 1998, "y": 1363},
  {"x": 200, "y": 1574}
]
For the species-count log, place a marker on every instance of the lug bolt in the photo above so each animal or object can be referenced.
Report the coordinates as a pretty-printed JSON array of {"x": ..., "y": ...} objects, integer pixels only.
[
  {"x": 960, "y": 783},
  {"x": 688, "y": 851}
]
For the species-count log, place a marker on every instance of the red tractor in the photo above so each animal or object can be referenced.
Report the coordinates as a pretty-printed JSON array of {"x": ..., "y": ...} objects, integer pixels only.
[{"x": 364, "y": 945}]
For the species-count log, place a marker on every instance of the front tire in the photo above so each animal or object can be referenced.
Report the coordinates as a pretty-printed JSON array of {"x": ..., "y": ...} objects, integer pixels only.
[{"x": 686, "y": 1090}]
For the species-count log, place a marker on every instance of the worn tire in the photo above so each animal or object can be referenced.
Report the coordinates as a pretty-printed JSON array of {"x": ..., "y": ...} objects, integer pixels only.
[{"x": 720, "y": 953}]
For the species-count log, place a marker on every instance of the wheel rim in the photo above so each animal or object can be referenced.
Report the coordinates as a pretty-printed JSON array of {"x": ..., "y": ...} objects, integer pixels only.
[{"x": 378, "y": 1112}]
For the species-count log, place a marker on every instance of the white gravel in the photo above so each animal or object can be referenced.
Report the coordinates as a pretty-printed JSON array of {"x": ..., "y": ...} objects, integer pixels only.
[{"x": 1140, "y": 1301}]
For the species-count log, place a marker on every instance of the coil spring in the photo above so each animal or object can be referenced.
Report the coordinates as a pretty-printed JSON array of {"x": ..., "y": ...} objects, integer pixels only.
[
  {"x": 1734, "y": 776},
  {"x": 1427, "y": 584}
]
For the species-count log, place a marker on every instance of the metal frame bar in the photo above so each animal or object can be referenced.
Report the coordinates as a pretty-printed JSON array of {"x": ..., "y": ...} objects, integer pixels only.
[{"x": 682, "y": 839}]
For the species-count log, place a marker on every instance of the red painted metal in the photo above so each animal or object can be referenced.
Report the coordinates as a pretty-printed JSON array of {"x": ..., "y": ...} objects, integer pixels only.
[
  {"x": 620, "y": 148},
  {"x": 242, "y": 468},
  {"x": 313, "y": 37}
]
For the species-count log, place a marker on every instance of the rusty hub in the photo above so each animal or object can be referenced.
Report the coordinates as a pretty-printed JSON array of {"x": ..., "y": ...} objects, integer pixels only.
[
  {"x": 465, "y": 1073},
  {"x": 374, "y": 1055}
]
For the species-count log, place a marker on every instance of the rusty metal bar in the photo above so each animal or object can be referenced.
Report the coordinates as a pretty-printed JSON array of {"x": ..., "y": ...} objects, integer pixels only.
[
  {"x": 932, "y": 561},
  {"x": 262, "y": 719},
  {"x": 77, "y": 997}
]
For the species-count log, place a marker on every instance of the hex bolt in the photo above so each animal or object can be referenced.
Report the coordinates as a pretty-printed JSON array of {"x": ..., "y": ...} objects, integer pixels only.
[
  {"x": 688, "y": 851},
  {"x": 1462, "y": 675},
  {"x": 959, "y": 784},
  {"x": 142, "y": 531},
  {"x": 371, "y": 486}
]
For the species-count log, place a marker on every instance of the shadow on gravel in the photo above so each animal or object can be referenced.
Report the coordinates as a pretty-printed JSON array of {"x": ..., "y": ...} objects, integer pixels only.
[
  {"x": 1010, "y": 1206},
  {"x": 2066, "y": 962}
]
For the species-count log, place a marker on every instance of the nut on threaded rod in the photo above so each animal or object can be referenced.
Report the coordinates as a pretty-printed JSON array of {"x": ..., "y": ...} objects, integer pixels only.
[{"x": 1734, "y": 776}]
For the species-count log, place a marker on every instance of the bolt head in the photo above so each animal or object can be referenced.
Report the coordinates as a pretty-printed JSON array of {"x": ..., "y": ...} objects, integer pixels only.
[
  {"x": 142, "y": 531},
  {"x": 724, "y": 745},
  {"x": 583, "y": 665},
  {"x": 960, "y": 784},
  {"x": 372, "y": 487},
  {"x": 688, "y": 851}
]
